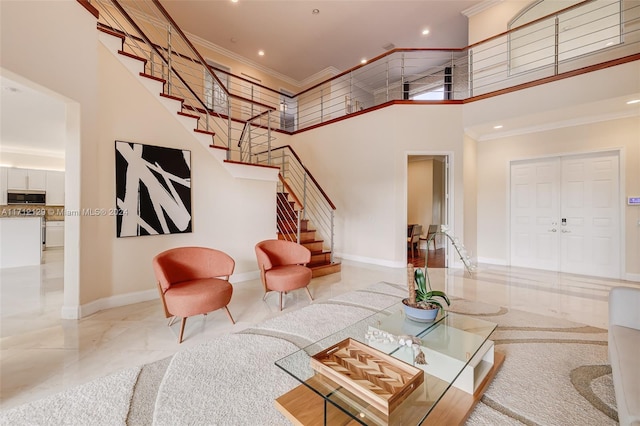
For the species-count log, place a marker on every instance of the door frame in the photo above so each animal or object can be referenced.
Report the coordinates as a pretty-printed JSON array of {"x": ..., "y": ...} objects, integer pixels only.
[
  {"x": 620, "y": 152},
  {"x": 449, "y": 195}
]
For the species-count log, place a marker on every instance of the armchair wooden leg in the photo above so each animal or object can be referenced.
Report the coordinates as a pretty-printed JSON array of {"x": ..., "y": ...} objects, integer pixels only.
[
  {"x": 229, "y": 315},
  {"x": 280, "y": 300},
  {"x": 309, "y": 293},
  {"x": 171, "y": 320},
  {"x": 182, "y": 324}
]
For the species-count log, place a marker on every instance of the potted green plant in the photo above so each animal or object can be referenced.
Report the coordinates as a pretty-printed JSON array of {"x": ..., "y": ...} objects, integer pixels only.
[{"x": 423, "y": 303}]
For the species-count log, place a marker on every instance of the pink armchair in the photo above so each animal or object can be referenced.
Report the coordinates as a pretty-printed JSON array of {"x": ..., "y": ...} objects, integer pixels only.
[
  {"x": 193, "y": 281},
  {"x": 282, "y": 266}
]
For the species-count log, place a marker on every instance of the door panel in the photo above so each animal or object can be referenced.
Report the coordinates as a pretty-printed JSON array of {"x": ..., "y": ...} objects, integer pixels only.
[
  {"x": 534, "y": 206},
  {"x": 565, "y": 214},
  {"x": 590, "y": 237}
]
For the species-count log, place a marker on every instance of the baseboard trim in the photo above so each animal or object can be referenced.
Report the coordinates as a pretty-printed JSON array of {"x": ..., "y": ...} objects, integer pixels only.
[
  {"x": 372, "y": 261},
  {"x": 493, "y": 261},
  {"x": 77, "y": 312},
  {"x": 70, "y": 312},
  {"x": 117, "y": 301},
  {"x": 632, "y": 277}
]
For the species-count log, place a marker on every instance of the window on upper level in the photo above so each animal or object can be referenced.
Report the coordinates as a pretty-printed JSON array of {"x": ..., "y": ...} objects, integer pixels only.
[
  {"x": 433, "y": 94},
  {"x": 582, "y": 30},
  {"x": 214, "y": 96}
]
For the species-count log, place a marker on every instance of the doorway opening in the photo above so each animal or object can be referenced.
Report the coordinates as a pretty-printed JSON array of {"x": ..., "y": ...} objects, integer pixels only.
[{"x": 427, "y": 209}]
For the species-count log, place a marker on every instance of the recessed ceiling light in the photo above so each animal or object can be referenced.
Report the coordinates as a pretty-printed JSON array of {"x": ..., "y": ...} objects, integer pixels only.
[
  {"x": 234, "y": 1},
  {"x": 425, "y": 32},
  {"x": 315, "y": 11},
  {"x": 363, "y": 61},
  {"x": 261, "y": 52},
  {"x": 499, "y": 126},
  {"x": 633, "y": 101}
]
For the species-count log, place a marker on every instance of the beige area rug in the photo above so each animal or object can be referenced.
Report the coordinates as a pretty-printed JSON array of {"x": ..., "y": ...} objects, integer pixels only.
[{"x": 555, "y": 373}]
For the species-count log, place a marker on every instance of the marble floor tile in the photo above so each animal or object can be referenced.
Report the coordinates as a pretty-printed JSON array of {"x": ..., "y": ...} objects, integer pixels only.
[{"x": 41, "y": 354}]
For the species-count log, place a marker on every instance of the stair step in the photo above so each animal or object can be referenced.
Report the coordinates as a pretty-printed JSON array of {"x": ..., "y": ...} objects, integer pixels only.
[
  {"x": 314, "y": 245},
  {"x": 175, "y": 98},
  {"x": 305, "y": 236},
  {"x": 112, "y": 32},
  {"x": 325, "y": 269},
  {"x": 292, "y": 225},
  {"x": 132, "y": 56},
  {"x": 322, "y": 257},
  {"x": 184, "y": 114},
  {"x": 153, "y": 77},
  {"x": 206, "y": 132}
]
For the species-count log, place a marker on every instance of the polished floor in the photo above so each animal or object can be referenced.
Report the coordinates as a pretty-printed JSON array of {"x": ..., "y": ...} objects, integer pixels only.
[{"x": 41, "y": 354}]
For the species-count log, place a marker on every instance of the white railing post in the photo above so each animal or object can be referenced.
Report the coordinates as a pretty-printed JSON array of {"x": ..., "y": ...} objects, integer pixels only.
[
  {"x": 332, "y": 236},
  {"x": 269, "y": 136},
  {"x": 169, "y": 60},
  {"x": 556, "y": 42},
  {"x": 304, "y": 192}
]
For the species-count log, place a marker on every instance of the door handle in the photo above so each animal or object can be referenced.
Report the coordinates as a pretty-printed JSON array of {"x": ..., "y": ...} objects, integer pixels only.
[{"x": 566, "y": 231}]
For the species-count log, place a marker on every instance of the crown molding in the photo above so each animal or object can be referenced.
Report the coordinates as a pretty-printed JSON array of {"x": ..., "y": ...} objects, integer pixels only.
[
  {"x": 480, "y": 7},
  {"x": 229, "y": 54},
  {"x": 12, "y": 149},
  {"x": 333, "y": 71},
  {"x": 580, "y": 121},
  {"x": 221, "y": 50}
]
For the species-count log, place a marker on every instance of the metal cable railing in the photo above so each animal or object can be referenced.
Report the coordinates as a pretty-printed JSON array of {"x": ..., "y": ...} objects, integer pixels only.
[
  {"x": 588, "y": 33},
  {"x": 151, "y": 34},
  {"x": 316, "y": 207},
  {"x": 244, "y": 113}
]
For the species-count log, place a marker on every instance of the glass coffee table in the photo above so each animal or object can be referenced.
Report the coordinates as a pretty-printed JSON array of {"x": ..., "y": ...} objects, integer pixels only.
[{"x": 460, "y": 362}]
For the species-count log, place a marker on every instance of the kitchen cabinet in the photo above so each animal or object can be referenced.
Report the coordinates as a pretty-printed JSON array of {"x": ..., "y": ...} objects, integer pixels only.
[
  {"x": 54, "y": 233},
  {"x": 3, "y": 186},
  {"x": 20, "y": 241},
  {"x": 26, "y": 179},
  {"x": 55, "y": 188}
]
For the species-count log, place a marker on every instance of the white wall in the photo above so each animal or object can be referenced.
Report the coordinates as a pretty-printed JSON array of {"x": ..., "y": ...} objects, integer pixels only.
[
  {"x": 420, "y": 193},
  {"x": 362, "y": 165},
  {"x": 223, "y": 207},
  {"x": 105, "y": 104},
  {"x": 493, "y": 179}
]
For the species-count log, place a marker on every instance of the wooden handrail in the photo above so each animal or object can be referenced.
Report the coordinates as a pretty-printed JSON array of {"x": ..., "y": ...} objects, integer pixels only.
[
  {"x": 289, "y": 191},
  {"x": 91, "y": 8},
  {"x": 155, "y": 48},
  {"x": 186, "y": 40},
  {"x": 535, "y": 21},
  {"x": 188, "y": 58},
  {"x": 324, "y": 194},
  {"x": 390, "y": 52}
]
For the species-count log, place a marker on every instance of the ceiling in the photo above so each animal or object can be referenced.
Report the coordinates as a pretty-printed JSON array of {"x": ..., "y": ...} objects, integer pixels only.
[
  {"x": 31, "y": 122},
  {"x": 299, "y": 44}
]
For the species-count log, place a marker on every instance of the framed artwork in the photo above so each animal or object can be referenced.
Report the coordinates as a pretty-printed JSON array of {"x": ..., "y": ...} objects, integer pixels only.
[{"x": 153, "y": 190}]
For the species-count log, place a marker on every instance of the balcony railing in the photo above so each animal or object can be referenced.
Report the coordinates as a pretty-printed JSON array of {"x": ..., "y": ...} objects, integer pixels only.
[
  {"x": 151, "y": 34},
  {"x": 298, "y": 181},
  {"x": 588, "y": 33}
]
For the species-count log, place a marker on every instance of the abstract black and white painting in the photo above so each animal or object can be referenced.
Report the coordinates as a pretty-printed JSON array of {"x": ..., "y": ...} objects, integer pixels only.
[{"x": 153, "y": 190}]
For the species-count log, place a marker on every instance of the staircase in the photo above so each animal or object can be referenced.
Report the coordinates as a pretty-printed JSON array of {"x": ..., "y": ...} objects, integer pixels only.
[
  {"x": 293, "y": 229},
  {"x": 165, "y": 63}
]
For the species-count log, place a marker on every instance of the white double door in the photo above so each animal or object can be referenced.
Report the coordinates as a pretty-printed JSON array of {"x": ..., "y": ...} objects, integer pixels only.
[{"x": 565, "y": 214}]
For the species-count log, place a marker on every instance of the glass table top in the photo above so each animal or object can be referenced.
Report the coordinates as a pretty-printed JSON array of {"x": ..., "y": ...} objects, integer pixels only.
[{"x": 448, "y": 344}]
